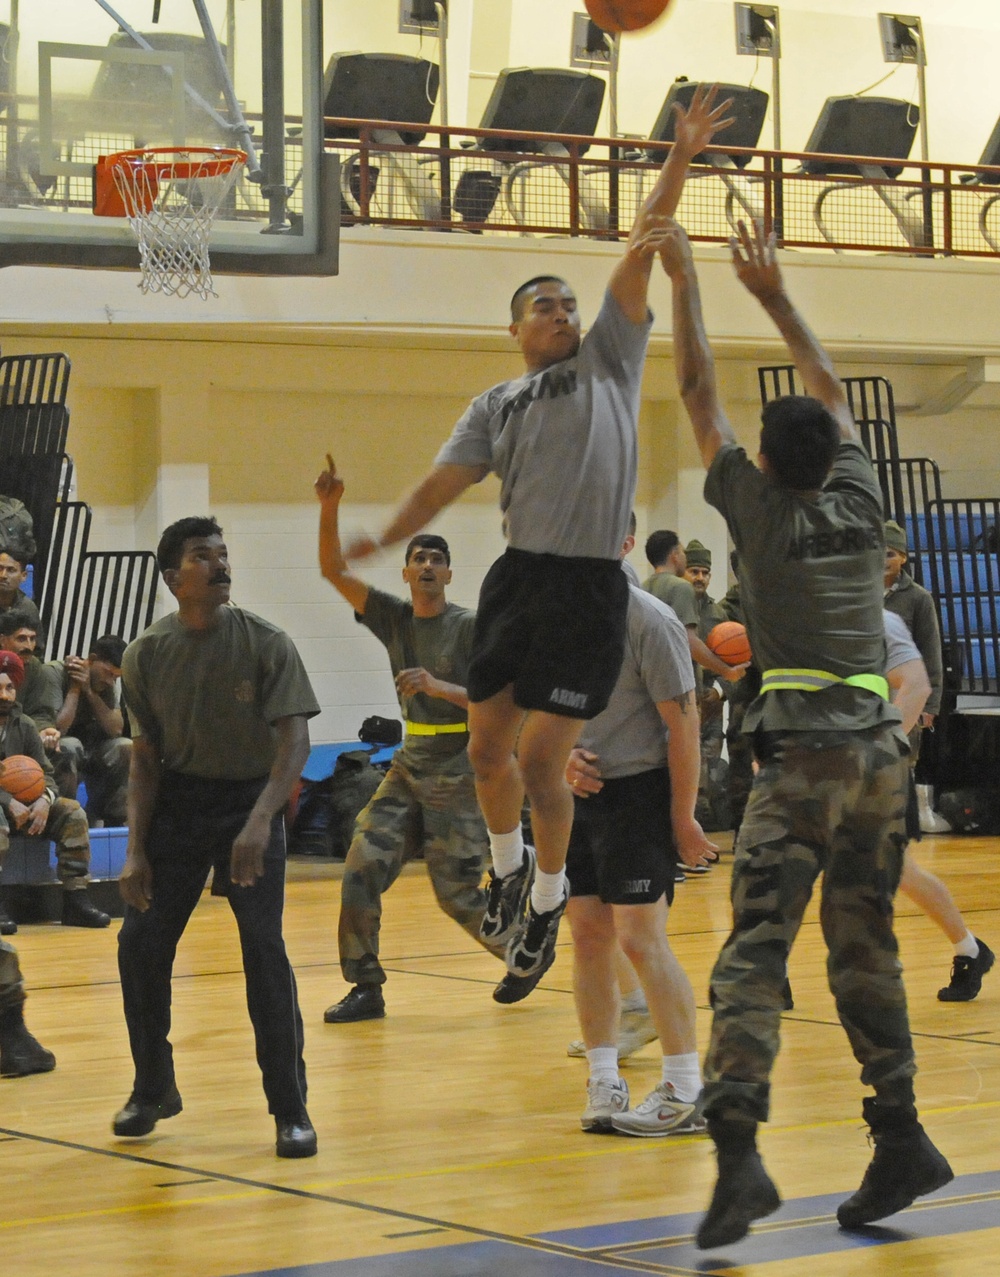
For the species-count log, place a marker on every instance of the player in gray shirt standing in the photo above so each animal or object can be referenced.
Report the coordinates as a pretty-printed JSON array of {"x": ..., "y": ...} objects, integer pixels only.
[
  {"x": 634, "y": 776},
  {"x": 550, "y": 624}
]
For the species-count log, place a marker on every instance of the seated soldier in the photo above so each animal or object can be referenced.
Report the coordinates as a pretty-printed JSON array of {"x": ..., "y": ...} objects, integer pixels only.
[
  {"x": 61, "y": 819},
  {"x": 19, "y": 634},
  {"x": 79, "y": 700},
  {"x": 13, "y": 574}
]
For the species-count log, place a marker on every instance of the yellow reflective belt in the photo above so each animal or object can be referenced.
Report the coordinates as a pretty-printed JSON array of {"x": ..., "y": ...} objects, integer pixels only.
[
  {"x": 434, "y": 729},
  {"x": 817, "y": 680}
]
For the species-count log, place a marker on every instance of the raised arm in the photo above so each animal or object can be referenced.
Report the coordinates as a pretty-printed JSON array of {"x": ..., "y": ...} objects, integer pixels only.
[
  {"x": 443, "y": 485},
  {"x": 693, "y": 131},
  {"x": 329, "y": 489},
  {"x": 693, "y": 363},
  {"x": 756, "y": 264}
]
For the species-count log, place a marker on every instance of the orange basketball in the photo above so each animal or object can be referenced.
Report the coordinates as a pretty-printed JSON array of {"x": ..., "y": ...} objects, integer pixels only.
[
  {"x": 613, "y": 16},
  {"x": 728, "y": 640},
  {"x": 22, "y": 778}
]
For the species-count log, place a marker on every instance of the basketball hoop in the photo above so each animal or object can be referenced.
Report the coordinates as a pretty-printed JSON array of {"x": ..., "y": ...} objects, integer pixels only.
[{"x": 171, "y": 196}]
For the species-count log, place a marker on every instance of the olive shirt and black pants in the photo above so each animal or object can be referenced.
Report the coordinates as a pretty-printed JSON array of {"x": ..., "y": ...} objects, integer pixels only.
[
  {"x": 830, "y": 795},
  {"x": 427, "y": 802},
  {"x": 207, "y": 700}
]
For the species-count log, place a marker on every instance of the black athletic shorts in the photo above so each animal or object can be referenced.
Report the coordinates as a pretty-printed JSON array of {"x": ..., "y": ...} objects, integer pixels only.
[
  {"x": 553, "y": 627},
  {"x": 622, "y": 845}
]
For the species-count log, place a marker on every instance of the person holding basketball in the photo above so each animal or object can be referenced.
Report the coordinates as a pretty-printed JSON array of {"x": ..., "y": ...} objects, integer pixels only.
[
  {"x": 550, "y": 626},
  {"x": 61, "y": 819},
  {"x": 830, "y": 795}
]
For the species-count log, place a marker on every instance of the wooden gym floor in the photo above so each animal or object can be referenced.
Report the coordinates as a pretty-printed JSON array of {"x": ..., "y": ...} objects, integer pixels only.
[{"x": 449, "y": 1132}]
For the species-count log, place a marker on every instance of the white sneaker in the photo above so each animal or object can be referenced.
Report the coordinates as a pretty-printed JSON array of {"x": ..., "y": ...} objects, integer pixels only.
[
  {"x": 661, "y": 1113},
  {"x": 605, "y": 1099},
  {"x": 635, "y": 1029}
]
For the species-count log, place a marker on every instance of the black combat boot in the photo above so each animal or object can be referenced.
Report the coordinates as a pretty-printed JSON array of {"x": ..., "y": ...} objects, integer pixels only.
[
  {"x": 20, "y": 1053},
  {"x": 906, "y": 1165},
  {"x": 78, "y": 910},
  {"x": 743, "y": 1192}
]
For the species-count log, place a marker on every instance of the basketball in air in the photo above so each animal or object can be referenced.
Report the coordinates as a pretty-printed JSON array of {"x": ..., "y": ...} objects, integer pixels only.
[
  {"x": 22, "y": 778},
  {"x": 728, "y": 640},
  {"x": 613, "y": 16}
]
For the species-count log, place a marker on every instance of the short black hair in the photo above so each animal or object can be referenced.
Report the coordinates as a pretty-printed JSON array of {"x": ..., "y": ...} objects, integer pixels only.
[
  {"x": 799, "y": 437},
  {"x": 14, "y": 619},
  {"x": 517, "y": 301},
  {"x": 428, "y": 541},
  {"x": 17, "y": 551},
  {"x": 110, "y": 648},
  {"x": 660, "y": 546},
  {"x": 171, "y": 547}
]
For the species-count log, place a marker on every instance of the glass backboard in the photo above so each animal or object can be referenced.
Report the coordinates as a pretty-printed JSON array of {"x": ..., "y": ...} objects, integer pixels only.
[{"x": 84, "y": 78}]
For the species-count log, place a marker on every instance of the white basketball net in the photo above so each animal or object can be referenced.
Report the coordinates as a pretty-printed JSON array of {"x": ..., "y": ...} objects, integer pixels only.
[{"x": 171, "y": 199}]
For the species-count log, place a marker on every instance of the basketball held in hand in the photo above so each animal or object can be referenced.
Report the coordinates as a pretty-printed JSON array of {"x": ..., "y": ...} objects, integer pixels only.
[
  {"x": 614, "y": 16},
  {"x": 728, "y": 640},
  {"x": 22, "y": 778}
]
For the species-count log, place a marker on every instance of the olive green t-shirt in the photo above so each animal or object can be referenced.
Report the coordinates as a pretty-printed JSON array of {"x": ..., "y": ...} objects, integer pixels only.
[
  {"x": 208, "y": 699},
  {"x": 676, "y": 593},
  {"x": 811, "y": 567},
  {"x": 442, "y": 645}
]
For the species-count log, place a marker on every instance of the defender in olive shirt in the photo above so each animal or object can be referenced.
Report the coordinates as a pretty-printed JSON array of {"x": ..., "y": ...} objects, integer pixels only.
[
  {"x": 219, "y": 702},
  {"x": 830, "y": 795},
  {"x": 427, "y": 801}
]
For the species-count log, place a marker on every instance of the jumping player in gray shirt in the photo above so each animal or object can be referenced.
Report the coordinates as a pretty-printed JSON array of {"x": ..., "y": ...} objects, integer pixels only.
[{"x": 550, "y": 625}]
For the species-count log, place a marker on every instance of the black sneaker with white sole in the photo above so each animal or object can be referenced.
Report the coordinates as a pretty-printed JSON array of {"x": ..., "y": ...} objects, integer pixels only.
[
  {"x": 967, "y": 975},
  {"x": 506, "y": 900},
  {"x": 534, "y": 950}
]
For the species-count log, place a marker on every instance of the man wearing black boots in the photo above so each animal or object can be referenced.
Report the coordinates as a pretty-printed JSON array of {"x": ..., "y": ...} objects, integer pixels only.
[
  {"x": 20, "y": 1053},
  {"x": 830, "y": 795},
  {"x": 61, "y": 819},
  {"x": 219, "y": 702}
]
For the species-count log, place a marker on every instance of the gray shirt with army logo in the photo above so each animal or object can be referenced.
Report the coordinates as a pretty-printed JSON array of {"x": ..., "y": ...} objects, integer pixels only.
[
  {"x": 811, "y": 568},
  {"x": 208, "y": 699},
  {"x": 564, "y": 443},
  {"x": 442, "y": 645}
]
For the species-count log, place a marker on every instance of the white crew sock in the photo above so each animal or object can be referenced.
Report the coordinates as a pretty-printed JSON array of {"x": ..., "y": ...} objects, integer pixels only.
[
  {"x": 634, "y": 1001},
  {"x": 967, "y": 947},
  {"x": 684, "y": 1074},
  {"x": 507, "y": 851},
  {"x": 603, "y": 1062},
  {"x": 547, "y": 893}
]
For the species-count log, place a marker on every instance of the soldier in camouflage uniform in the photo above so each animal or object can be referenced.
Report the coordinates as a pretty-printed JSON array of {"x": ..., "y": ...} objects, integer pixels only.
[
  {"x": 741, "y": 695},
  {"x": 427, "y": 801},
  {"x": 830, "y": 796},
  {"x": 20, "y": 1053},
  {"x": 698, "y": 573}
]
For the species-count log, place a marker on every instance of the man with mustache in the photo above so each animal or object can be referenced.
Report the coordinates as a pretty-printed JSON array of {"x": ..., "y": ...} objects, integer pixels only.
[{"x": 219, "y": 702}]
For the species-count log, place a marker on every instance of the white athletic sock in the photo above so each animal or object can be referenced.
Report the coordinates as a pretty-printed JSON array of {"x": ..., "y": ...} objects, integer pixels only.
[
  {"x": 684, "y": 1074},
  {"x": 967, "y": 947},
  {"x": 603, "y": 1062},
  {"x": 635, "y": 1001},
  {"x": 507, "y": 851},
  {"x": 547, "y": 893}
]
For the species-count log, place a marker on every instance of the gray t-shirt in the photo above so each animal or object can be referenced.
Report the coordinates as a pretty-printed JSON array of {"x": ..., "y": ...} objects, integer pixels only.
[
  {"x": 676, "y": 593},
  {"x": 899, "y": 644},
  {"x": 811, "y": 568},
  {"x": 563, "y": 442},
  {"x": 208, "y": 699},
  {"x": 442, "y": 645},
  {"x": 629, "y": 736}
]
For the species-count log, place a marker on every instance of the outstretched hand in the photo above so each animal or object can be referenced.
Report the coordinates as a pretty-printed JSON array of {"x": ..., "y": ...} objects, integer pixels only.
[
  {"x": 329, "y": 484},
  {"x": 695, "y": 127},
  {"x": 755, "y": 261}
]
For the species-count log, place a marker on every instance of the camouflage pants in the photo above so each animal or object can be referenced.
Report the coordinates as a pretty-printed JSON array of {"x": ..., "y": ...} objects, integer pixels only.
[
  {"x": 103, "y": 768},
  {"x": 710, "y": 730},
  {"x": 818, "y": 806},
  {"x": 67, "y": 827},
  {"x": 11, "y": 983},
  {"x": 437, "y": 813}
]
